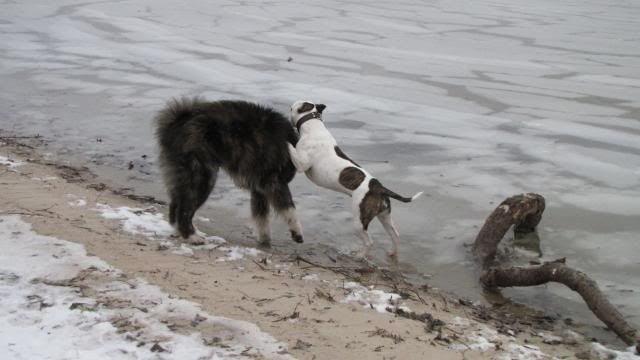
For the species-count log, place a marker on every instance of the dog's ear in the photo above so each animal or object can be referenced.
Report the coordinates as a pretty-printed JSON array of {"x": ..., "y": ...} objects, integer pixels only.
[{"x": 320, "y": 107}]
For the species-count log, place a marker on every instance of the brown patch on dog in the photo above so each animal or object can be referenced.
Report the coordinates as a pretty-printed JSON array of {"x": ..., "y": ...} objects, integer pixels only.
[
  {"x": 373, "y": 203},
  {"x": 351, "y": 177},
  {"x": 341, "y": 154},
  {"x": 305, "y": 107}
]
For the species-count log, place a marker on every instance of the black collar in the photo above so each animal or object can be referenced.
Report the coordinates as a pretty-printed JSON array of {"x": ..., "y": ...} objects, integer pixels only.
[{"x": 309, "y": 116}]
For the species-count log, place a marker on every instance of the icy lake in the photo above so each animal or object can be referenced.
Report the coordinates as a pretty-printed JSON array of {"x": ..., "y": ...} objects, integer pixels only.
[{"x": 471, "y": 102}]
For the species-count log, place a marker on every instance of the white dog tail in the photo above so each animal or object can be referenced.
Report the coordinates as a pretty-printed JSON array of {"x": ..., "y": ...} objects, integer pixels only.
[
  {"x": 417, "y": 195},
  {"x": 383, "y": 190}
]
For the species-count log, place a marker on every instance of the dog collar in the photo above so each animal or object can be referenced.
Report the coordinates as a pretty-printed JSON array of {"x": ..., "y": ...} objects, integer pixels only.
[{"x": 309, "y": 116}]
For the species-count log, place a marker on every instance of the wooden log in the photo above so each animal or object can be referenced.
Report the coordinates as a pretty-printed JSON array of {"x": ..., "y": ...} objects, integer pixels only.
[
  {"x": 557, "y": 271},
  {"x": 525, "y": 212}
]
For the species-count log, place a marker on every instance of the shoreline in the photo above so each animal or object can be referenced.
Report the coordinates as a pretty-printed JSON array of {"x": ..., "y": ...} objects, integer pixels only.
[{"x": 319, "y": 310}]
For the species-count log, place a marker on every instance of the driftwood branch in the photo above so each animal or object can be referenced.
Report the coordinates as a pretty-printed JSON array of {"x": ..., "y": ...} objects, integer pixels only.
[{"x": 524, "y": 212}]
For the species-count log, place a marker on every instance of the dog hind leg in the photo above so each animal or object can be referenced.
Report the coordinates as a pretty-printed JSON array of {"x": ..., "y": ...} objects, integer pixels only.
[
  {"x": 260, "y": 214},
  {"x": 184, "y": 213},
  {"x": 172, "y": 210},
  {"x": 192, "y": 188},
  {"x": 386, "y": 221},
  {"x": 282, "y": 201},
  {"x": 362, "y": 233},
  {"x": 362, "y": 217},
  {"x": 204, "y": 184}
]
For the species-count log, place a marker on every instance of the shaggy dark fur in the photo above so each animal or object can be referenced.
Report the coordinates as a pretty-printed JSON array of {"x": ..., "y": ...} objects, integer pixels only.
[{"x": 247, "y": 140}]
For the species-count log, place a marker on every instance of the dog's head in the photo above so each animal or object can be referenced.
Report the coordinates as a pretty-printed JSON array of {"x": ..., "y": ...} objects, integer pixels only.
[{"x": 301, "y": 109}]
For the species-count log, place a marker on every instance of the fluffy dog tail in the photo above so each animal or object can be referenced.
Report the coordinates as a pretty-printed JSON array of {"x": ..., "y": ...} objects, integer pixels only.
[{"x": 174, "y": 114}]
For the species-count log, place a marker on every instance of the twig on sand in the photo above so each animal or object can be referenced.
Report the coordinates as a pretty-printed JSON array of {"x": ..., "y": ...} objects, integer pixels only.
[
  {"x": 342, "y": 270},
  {"x": 386, "y": 334},
  {"x": 325, "y": 295},
  {"x": 294, "y": 314},
  {"x": 260, "y": 265}
]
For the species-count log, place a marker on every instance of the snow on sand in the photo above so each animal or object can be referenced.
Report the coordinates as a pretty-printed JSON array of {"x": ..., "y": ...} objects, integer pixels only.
[
  {"x": 56, "y": 302},
  {"x": 152, "y": 225}
]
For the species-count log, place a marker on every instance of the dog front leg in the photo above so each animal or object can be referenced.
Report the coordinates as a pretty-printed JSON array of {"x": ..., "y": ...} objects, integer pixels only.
[{"x": 299, "y": 159}]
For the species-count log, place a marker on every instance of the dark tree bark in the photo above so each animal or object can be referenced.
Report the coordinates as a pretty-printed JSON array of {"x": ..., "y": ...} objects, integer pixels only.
[{"x": 525, "y": 211}]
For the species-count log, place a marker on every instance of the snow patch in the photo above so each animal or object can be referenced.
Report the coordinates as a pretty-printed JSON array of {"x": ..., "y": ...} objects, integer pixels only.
[
  {"x": 43, "y": 320},
  {"x": 372, "y": 298},
  {"x": 606, "y": 354},
  {"x": 183, "y": 250},
  {"x": 234, "y": 253},
  {"x": 10, "y": 163},
  {"x": 138, "y": 221},
  {"x": 485, "y": 339},
  {"x": 154, "y": 227},
  {"x": 77, "y": 203},
  {"x": 45, "y": 178},
  {"x": 310, "y": 277}
]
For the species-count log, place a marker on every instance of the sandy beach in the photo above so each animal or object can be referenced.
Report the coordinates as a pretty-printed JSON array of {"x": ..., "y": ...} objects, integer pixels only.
[{"x": 157, "y": 298}]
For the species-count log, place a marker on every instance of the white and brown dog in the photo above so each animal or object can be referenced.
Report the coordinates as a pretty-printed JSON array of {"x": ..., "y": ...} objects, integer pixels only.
[{"x": 317, "y": 155}]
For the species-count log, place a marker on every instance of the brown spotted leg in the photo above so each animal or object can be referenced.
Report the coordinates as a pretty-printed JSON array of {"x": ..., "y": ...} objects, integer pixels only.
[
  {"x": 362, "y": 233},
  {"x": 362, "y": 218}
]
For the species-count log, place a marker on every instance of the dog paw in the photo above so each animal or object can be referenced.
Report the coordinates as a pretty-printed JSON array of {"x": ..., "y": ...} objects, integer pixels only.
[
  {"x": 264, "y": 241},
  {"x": 297, "y": 237},
  {"x": 195, "y": 240}
]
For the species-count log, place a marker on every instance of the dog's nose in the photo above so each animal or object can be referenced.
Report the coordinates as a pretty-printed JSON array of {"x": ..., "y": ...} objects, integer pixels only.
[{"x": 320, "y": 107}]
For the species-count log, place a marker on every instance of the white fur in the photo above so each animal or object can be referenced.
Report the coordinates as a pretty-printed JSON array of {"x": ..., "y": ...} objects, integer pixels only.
[
  {"x": 315, "y": 155},
  {"x": 292, "y": 220}
]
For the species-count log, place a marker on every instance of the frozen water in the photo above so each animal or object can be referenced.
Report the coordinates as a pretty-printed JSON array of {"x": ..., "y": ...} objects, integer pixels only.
[{"x": 471, "y": 102}]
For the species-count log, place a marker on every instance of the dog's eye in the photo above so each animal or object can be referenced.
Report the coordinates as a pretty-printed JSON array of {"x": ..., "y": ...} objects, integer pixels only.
[{"x": 306, "y": 107}]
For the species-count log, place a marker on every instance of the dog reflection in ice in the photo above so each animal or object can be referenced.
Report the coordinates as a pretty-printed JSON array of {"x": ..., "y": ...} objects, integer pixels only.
[{"x": 317, "y": 155}]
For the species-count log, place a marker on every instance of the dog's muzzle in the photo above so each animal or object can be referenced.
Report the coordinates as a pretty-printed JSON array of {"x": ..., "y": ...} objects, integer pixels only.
[{"x": 309, "y": 116}]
